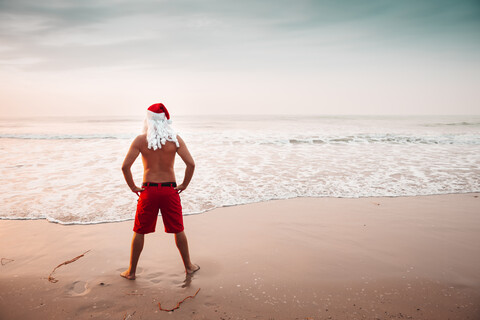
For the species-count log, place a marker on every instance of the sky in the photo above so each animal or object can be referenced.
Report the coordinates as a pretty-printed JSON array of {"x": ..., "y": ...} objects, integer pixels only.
[{"x": 298, "y": 57}]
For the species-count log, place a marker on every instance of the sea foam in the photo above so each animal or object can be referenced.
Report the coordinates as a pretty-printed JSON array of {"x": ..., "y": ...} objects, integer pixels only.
[{"x": 68, "y": 170}]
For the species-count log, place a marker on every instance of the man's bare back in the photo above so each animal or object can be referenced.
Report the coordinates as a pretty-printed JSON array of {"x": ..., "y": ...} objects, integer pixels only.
[{"x": 158, "y": 164}]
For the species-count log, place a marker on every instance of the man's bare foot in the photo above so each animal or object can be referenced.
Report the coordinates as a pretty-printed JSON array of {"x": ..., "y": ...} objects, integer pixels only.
[
  {"x": 126, "y": 274},
  {"x": 193, "y": 268}
]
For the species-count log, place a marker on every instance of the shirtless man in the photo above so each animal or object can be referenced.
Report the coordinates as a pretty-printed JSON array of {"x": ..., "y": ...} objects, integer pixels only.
[{"x": 158, "y": 146}]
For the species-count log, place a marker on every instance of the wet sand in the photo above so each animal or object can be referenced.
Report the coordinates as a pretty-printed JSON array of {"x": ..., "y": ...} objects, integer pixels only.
[{"x": 306, "y": 258}]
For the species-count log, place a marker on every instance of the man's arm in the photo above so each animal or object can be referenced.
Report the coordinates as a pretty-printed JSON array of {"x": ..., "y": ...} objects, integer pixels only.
[
  {"x": 188, "y": 159},
  {"x": 130, "y": 158}
]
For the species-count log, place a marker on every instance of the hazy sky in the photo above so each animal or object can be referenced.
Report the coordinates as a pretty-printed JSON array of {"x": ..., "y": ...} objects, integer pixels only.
[{"x": 117, "y": 57}]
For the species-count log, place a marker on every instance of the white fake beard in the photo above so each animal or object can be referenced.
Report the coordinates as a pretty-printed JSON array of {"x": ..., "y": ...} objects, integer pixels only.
[{"x": 158, "y": 130}]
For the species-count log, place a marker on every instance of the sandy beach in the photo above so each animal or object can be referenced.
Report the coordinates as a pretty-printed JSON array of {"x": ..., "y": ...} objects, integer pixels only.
[{"x": 304, "y": 258}]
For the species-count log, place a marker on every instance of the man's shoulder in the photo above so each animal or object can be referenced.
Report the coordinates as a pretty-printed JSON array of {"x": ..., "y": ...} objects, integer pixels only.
[
  {"x": 140, "y": 139},
  {"x": 180, "y": 140},
  {"x": 141, "y": 136}
]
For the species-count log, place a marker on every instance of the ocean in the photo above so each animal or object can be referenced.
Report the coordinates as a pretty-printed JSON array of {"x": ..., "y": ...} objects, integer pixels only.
[{"x": 67, "y": 170}]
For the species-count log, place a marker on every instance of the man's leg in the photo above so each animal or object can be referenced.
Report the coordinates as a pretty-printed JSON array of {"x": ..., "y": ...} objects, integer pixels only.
[
  {"x": 182, "y": 245},
  {"x": 137, "y": 247}
]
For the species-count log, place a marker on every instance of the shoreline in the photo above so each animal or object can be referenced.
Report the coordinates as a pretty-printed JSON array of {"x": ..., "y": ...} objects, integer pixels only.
[
  {"x": 306, "y": 258},
  {"x": 54, "y": 221}
]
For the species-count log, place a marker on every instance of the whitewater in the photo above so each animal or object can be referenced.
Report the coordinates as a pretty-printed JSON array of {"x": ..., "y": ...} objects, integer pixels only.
[{"x": 67, "y": 170}]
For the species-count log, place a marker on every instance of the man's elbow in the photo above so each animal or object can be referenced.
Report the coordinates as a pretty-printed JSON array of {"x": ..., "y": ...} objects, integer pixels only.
[
  {"x": 191, "y": 164},
  {"x": 125, "y": 168}
]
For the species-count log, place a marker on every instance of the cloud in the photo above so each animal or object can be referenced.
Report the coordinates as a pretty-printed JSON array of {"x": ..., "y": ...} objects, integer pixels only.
[{"x": 215, "y": 34}]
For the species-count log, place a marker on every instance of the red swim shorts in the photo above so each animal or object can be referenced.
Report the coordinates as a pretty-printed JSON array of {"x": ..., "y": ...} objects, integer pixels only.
[{"x": 154, "y": 198}]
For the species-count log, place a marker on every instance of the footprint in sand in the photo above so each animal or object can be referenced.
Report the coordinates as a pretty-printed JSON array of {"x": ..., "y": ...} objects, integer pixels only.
[
  {"x": 153, "y": 277},
  {"x": 78, "y": 288}
]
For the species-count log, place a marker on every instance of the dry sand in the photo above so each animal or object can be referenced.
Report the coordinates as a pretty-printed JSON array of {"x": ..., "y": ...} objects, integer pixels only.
[{"x": 307, "y": 258}]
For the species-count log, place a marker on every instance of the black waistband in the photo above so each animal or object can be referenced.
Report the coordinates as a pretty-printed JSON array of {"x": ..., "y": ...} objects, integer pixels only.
[{"x": 163, "y": 184}]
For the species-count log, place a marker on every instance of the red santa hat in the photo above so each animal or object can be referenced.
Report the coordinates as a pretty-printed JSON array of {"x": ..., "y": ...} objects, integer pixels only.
[
  {"x": 159, "y": 108},
  {"x": 157, "y": 127}
]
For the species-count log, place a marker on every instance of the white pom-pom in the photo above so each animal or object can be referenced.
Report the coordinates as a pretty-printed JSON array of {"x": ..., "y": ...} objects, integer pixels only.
[{"x": 169, "y": 121}]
